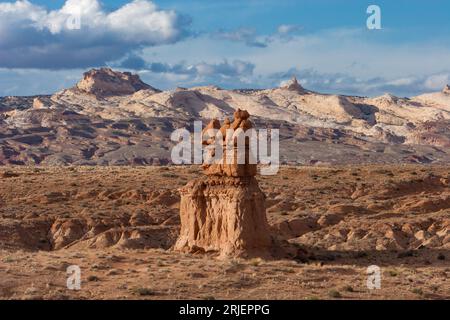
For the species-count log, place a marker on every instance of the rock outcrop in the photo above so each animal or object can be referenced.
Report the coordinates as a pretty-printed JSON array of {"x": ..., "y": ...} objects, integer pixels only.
[
  {"x": 38, "y": 104},
  {"x": 225, "y": 212},
  {"x": 293, "y": 85},
  {"x": 446, "y": 89},
  {"x": 106, "y": 82},
  {"x": 226, "y": 215},
  {"x": 229, "y": 166}
]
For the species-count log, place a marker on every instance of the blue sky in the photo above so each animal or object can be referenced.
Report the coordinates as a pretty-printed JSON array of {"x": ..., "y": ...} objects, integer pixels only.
[{"x": 254, "y": 43}]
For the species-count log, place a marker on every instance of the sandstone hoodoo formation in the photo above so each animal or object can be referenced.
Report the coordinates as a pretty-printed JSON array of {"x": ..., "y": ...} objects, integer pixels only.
[{"x": 224, "y": 211}]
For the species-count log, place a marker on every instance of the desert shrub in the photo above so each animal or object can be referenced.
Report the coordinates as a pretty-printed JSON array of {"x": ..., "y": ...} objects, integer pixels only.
[
  {"x": 169, "y": 175},
  {"x": 417, "y": 291},
  {"x": 393, "y": 273},
  {"x": 144, "y": 291},
  {"x": 334, "y": 294},
  {"x": 348, "y": 289},
  {"x": 256, "y": 262},
  {"x": 93, "y": 278}
]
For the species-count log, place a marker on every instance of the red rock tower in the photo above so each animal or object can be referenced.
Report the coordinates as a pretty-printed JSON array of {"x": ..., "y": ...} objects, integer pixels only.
[{"x": 224, "y": 211}]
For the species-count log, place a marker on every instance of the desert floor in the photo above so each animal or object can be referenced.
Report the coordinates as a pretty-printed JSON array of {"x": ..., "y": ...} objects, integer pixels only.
[{"x": 119, "y": 223}]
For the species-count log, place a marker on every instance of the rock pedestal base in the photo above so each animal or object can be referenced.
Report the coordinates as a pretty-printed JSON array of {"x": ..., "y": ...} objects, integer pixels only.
[{"x": 226, "y": 215}]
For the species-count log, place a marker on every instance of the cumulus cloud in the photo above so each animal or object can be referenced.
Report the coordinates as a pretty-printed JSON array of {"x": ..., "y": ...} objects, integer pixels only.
[
  {"x": 81, "y": 33},
  {"x": 287, "y": 31},
  {"x": 288, "y": 28},
  {"x": 251, "y": 38},
  {"x": 133, "y": 62},
  {"x": 234, "y": 73},
  {"x": 245, "y": 35},
  {"x": 346, "y": 61},
  {"x": 437, "y": 81},
  {"x": 235, "y": 68}
]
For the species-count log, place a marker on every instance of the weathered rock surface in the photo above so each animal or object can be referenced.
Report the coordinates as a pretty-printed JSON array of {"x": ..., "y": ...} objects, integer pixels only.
[
  {"x": 225, "y": 211},
  {"x": 106, "y": 82},
  {"x": 225, "y": 215},
  {"x": 293, "y": 85},
  {"x": 229, "y": 165}
]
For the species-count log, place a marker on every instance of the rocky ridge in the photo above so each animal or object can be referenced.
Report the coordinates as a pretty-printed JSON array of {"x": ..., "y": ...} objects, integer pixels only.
[{"x": 112, "y": 118}]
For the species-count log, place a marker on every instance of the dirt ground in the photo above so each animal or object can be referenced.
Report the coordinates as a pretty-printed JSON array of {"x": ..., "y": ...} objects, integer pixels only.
[{"x": 118, "y": 225}]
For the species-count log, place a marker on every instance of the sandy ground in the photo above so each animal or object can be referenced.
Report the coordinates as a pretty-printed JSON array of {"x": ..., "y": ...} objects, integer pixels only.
[{"x": 119, "y": 223}]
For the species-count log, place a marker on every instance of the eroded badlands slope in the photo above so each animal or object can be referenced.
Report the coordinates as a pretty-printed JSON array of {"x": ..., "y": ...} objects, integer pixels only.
[{"x": 119, "y": 224}]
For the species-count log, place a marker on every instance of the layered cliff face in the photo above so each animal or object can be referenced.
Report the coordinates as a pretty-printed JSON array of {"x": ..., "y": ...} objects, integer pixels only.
[{"x": 225, "y": 211}]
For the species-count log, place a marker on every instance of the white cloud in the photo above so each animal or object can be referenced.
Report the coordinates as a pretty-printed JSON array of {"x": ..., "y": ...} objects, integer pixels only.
[
  {"x": 248, "y": 36},
  {"x": 88, "y": 12},
  {"x": 81, "y": 33},
  {"x": 235, "y": 71},
  {"x": 287, "y": 29},
  {"x": 251, "y": 38},
  {"x": 141, "y": 22},
  {"x": 438, "y": 81},
  {"x": 352, "y": 51},
  {"x": 402, "y": 81},
  {"x": 348, "y": 61}
]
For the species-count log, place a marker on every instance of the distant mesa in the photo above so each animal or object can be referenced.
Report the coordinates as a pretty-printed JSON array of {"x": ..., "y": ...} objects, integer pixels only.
[
  {"x": 107, "y": 82},
  {"x": 292, "y": 85}
]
